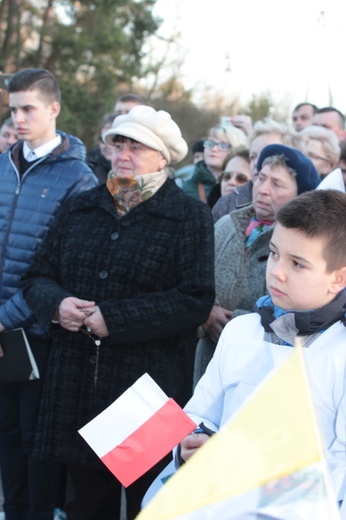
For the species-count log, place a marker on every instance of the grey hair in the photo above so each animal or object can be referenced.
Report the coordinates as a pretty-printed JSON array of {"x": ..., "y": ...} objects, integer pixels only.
[
  {"x": 289, "y": 136},
  {"x": 279, "y": 160}
]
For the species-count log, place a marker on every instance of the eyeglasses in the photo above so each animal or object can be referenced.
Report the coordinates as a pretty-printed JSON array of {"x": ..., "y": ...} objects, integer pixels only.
[
  {"x": 314, "y": 156},
  {"x": 220, "y": 146},
  {"x": 97, "y": 342},
  {"x": 240, "y": 177}
]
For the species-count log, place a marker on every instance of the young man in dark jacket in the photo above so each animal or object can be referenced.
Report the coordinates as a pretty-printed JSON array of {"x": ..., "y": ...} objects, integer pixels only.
[{"x": 38, "y": 173}]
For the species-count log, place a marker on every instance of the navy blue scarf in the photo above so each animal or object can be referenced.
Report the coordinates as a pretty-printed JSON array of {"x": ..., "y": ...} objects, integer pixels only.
[{"x": 306, "y": 322}]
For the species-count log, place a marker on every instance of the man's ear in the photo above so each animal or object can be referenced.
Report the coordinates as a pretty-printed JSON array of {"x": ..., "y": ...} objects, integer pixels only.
[
  {"x": 339, "y": 280},
  {"x": 55, "y": 109},
  {"x": 342, "y": 135}
]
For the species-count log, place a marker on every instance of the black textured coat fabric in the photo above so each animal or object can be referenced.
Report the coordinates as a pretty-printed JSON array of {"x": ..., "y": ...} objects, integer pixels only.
[{"x": 151, "y": 273}]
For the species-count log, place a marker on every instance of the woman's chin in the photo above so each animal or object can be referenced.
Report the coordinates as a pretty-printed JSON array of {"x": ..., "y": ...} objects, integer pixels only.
[{"x": 227, "y": 192}]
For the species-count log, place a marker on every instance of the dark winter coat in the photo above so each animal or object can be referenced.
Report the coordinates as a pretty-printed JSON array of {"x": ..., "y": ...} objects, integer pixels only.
[
  {"x": 239, "y": 198},
  {"x": 28, "y": 205},
  {"x": 151, "y": 273},
  {"x": 99, "y": 164}
]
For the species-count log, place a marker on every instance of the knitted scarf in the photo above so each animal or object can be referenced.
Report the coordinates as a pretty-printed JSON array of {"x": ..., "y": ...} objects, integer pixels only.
[
  {"x": 304, "y": 322},
  {"x": 255, "y": 228}
]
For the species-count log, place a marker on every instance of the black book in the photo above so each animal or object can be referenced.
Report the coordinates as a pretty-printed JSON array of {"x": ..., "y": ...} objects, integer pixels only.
[{"x": 18, "y": 362}]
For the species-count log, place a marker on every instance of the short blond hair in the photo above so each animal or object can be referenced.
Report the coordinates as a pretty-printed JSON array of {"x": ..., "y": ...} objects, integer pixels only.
[
  {"x": 328, "y": 140},
  {"x": 228, "y": 133},
  {"x": 288, "y": 135}
]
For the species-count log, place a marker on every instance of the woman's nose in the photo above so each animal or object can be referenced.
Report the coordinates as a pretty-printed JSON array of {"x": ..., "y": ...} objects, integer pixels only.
[{"x": 264, "y": 186}]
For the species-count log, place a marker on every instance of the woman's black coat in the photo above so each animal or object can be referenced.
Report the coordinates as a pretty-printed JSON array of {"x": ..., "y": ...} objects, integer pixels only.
[{"x": 151, "y": 273}]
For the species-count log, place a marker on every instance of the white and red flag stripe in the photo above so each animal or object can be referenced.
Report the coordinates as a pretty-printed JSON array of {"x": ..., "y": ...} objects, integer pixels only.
[{"x": 137, "y": 430}]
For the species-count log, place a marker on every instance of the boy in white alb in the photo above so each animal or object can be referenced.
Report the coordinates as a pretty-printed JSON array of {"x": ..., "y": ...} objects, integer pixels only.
[{"x": 306, "y": 280}]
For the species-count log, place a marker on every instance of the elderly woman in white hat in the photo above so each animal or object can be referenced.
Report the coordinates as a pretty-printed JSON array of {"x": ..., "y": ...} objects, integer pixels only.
[{"x": 122, "y": 281}]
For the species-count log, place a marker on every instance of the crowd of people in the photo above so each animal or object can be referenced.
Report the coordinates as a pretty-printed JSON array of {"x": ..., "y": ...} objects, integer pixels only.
[{"x": 115, "y": 264}]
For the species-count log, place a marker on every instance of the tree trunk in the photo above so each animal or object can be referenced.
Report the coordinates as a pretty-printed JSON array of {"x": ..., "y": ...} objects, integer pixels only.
[
  {"x": 11, "y": 41},
  {"x": 46, "y": 19}
]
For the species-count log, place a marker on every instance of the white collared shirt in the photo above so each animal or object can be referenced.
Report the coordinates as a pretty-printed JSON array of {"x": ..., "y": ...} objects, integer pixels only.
[{"x": 41, "y": 151}]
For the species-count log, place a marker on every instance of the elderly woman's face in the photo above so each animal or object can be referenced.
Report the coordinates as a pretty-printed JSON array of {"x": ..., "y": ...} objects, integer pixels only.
[
  {"x": 273, "y": 187},
  {"x": 130, "y": 158}
]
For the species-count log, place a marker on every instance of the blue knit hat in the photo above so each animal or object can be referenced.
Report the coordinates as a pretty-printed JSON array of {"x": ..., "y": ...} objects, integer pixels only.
[{"x": 307, "y": 177}]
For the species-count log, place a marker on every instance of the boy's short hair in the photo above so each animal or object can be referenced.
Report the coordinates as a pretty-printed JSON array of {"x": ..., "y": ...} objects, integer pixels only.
[
  {"x": 319, "y": 214},
  {"x": 31, "y": 79}
]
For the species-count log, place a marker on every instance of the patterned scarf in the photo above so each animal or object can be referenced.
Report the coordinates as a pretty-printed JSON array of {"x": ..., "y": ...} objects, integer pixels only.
[
  {"x": 128, "y": 192},
  {"x": 255, "y": 229}
]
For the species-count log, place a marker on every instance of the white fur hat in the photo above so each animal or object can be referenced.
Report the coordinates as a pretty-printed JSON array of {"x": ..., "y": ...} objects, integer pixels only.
[{"x": 155, "y": 129}]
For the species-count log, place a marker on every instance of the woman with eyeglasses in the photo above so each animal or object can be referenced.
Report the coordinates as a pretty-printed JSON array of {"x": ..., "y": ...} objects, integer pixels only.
[
  {"x": 218, "y": 144},
  {"x": 322, "y": 147},
  {"x": 235, "y": 172},
  {"x": 127, "y": 275}
]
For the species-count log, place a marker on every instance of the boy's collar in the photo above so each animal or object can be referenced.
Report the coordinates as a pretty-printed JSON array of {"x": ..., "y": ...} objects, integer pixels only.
[
  {"x": 41, "y": 151},
  {"x": 302, "y": 323}
]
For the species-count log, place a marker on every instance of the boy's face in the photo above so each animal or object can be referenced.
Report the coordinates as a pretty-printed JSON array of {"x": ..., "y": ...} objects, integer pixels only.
[
  {"x": 297, "y": 277},
  {"x": 33, "y": 117}
]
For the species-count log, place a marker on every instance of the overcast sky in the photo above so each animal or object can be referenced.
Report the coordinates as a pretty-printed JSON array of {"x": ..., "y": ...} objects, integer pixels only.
[{"x": 294, "y": 49}]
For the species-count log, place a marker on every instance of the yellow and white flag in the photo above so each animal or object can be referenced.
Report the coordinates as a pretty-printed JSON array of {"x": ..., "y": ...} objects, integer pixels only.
[{"x": 267, "y": 461}]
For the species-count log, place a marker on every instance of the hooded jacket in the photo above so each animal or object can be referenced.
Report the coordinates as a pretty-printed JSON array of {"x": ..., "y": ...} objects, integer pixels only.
[{"x": 28, "y": 204}]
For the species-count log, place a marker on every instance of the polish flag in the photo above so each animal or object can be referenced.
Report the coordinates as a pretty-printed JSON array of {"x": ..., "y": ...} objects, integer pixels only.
[{"x": 137, "y": 430}]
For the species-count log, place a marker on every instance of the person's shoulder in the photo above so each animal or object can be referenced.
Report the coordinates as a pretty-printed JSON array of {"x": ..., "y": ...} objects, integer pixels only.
[
  {"x": 234, "y": 220},
  {"x": 223, "y": 228},
  {"x": 69, "y": 159},
  {"x": 4, "y": 157},
  {"x": 242, "y": 196},
  {"x": 222, "y": 206},
  {"x": 181, "y": 202},
  {"x": 246, "y": 319},
  {"x": 243, "y": 332},
  {"x": 85, "y": 199},
  {"x": 333, "y": 338},
  {"x": 189, "y": 186},
  {"x": 223, "y": 222},
  {"x": 242, "y": 216},
  {"x": 71, "y": 148}
]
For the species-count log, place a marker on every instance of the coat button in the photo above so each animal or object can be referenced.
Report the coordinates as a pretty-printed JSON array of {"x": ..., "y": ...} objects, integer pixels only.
[
  {"x": 114, "y": 235},
  {"x": 92, "y": 360},
  {"x": 103, "y": 275}
]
